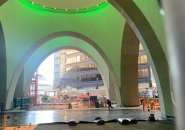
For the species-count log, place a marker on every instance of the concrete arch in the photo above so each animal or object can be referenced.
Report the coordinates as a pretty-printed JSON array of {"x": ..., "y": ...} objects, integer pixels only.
[
  {"x": 148, "y": 38},
  {"x": 35, "y": 65},
  {"x": 3, "y": 68},
  {"x": 2, "y": 2},
  {"x": 55, "y": 41}
]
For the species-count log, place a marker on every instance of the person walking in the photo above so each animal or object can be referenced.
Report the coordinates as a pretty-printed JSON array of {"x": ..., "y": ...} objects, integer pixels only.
[
  {"x": 109, "y": 104},
  {"x": 69, "y": 105}
]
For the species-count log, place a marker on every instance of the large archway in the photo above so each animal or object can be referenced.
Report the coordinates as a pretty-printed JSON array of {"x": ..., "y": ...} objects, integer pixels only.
[
  {"x": 3, "y": 64},
  {"x": 136, "y": 20},
  {"x": 98, "y": 30},
  {"x": 36, "y": 24},
  {"x": 54, "y": 42}
]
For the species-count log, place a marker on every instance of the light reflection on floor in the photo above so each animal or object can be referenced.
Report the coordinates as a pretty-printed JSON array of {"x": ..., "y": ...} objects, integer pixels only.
[
  {"x": 48, "y": 116},
  {"x": 37, "y": 117}
]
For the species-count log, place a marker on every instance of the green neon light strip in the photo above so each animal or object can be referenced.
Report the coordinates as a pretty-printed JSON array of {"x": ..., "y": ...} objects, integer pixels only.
[{"x": 36, "y": 6}]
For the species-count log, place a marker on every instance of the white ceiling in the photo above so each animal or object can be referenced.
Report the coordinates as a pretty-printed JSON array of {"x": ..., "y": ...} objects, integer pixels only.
[{"x": 68, "y": 4}]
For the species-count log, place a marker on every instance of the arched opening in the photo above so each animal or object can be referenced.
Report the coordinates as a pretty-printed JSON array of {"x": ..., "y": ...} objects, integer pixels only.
[
  {"x": 59, "y": 41},
  {"x": 136, "y": 19},
  {"x": 148, "y": 93},
  {"x": 137, "y": 74},
  {"x": 76, "y": 81}
]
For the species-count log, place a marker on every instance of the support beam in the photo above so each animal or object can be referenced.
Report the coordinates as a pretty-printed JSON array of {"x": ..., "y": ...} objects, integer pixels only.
[
  {"x": 3, "y": 69},
  {"x": 19, "y": 87},
  {"x": 151, "y": 43},
  {"x": 129, "y": 68},
  {"x": 175, "y": 28},
  {"x": 111, "y": 89}
]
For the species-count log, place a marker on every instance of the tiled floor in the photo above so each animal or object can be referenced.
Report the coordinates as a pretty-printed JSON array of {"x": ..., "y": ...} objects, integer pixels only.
[
  {"x": 161, "y": 125},
  {"x": 38, "y": 117}
]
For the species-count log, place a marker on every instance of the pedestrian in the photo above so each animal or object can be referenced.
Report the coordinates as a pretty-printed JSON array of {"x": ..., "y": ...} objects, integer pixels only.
[
  {"x": 109, "y": 104},
  {"x": 69, "y": 105},
  {"x": 141, "y": 101}
]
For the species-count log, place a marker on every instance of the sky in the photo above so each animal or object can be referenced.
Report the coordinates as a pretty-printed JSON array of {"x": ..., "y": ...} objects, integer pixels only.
[{"x": 46, "y": 69}]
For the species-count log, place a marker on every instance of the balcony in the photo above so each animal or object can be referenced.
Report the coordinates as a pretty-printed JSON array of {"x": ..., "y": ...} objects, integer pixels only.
[
  {"x": 143, "y": 80},
  {"x": 143, "y": 66},
  {"x": 142, "y": 53},
  {"x": 74, "y": 54},
  {"x": 76, "y": 83},
  {"x": 79, "y": 63},
  {"x": 80, "y": 73}
]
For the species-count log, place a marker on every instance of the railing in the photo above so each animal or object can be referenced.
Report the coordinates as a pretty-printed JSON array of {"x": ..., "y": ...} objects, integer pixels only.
[
  {"x": 79, "y": 63},
  {"x": 80, "y": 73},
  {"x": 74, "y": 54},
  {"x": 77, "y": 83},
  {"x": 143, "y": 80},
  {"x": 142, "y": 53},
  {"x": 145, "y": 65}
]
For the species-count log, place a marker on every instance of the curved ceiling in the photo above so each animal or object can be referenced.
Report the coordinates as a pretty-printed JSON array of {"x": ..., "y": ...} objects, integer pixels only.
[{"x": 67, "y": 5}]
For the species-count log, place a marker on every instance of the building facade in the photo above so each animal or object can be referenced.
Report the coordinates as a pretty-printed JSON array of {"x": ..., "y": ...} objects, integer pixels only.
[
  {"x": 73, "y": 68},
  {"x": 146, "y": 81}
]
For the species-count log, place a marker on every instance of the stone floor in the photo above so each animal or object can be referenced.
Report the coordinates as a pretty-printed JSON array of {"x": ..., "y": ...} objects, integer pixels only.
[
  {"x": 160, "y": 125},
  {"x": 51, "y": 116},
  {"x": 21, "y": 128}
]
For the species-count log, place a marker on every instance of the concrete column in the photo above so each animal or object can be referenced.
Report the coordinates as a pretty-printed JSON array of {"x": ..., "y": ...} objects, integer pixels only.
[
  {"x": 19, "y": 87},
  {"x": 129, "y": 68},
  {"x": 111, "y": 91},
  {"x": 3, "y": 69},
  {"x": 175, "y": 28}
]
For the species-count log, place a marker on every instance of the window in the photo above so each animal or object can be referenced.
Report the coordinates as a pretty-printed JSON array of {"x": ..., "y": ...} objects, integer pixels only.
[
  {"x": 142, "y": 59},
  {"x": 143, "y": 73}
]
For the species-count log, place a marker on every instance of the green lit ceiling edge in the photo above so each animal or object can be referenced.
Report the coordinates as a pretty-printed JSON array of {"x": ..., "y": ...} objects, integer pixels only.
[{"x": 39, "y": 7}]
